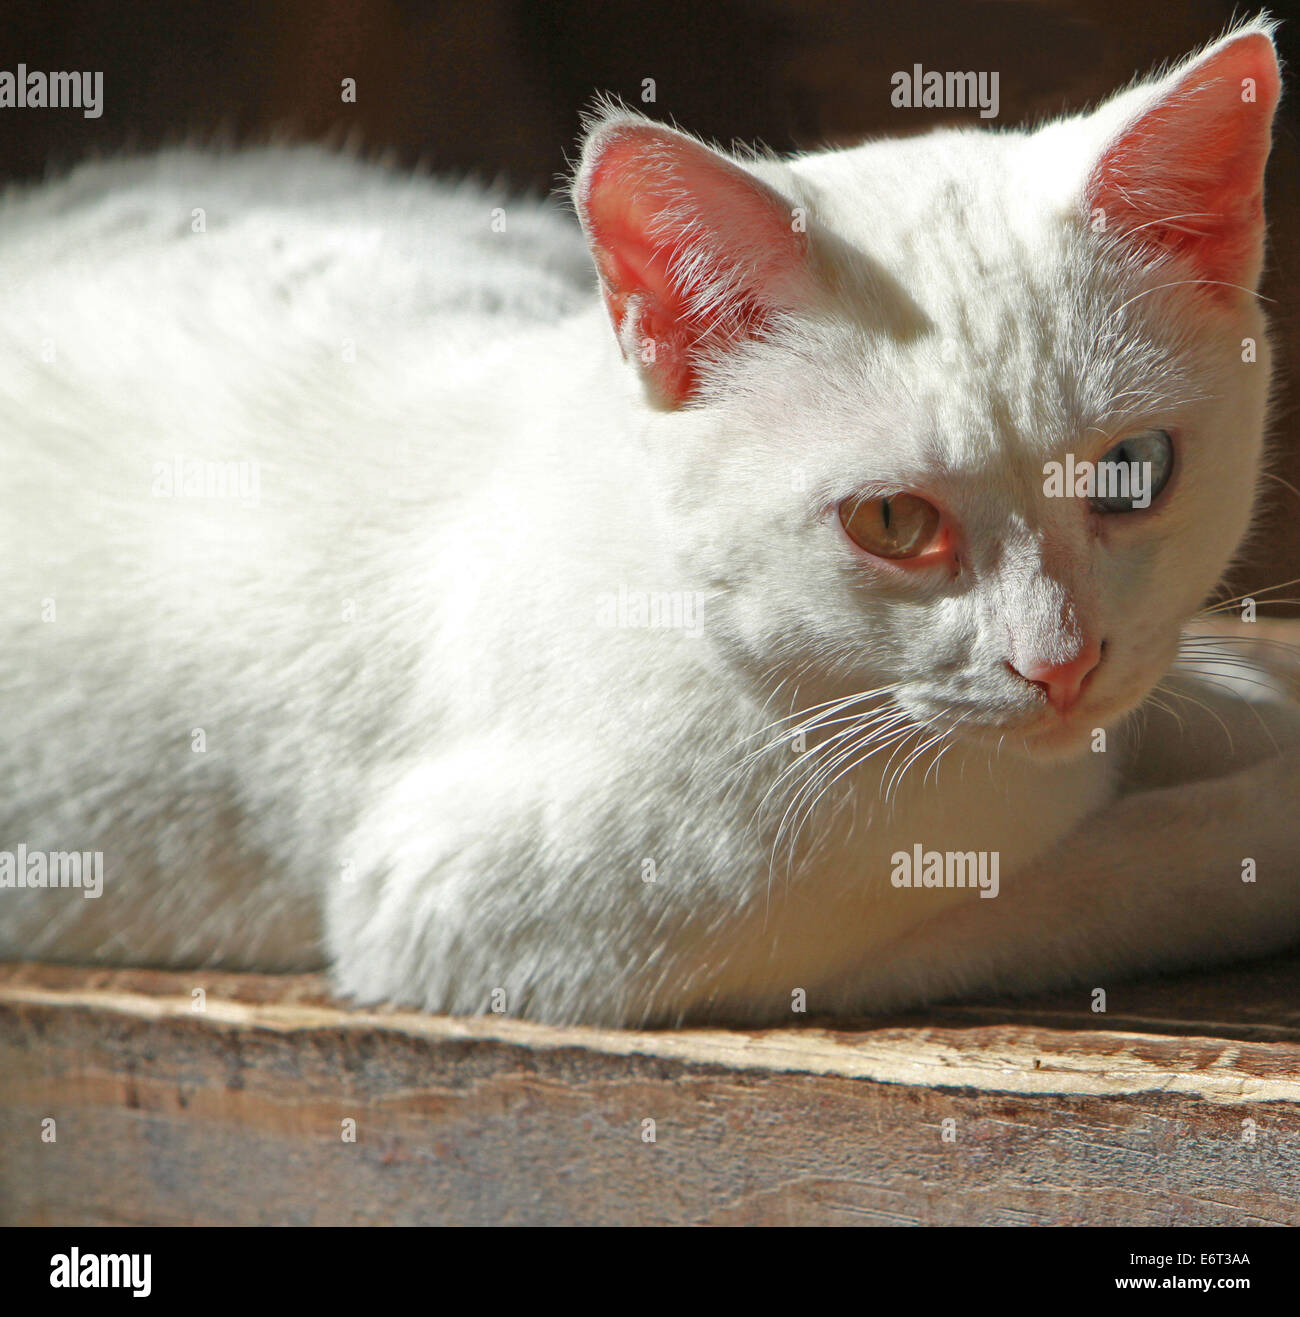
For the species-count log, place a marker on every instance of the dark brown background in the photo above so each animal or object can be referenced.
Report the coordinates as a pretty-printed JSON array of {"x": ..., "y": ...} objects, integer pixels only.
[{"x": 496, "y": 88}]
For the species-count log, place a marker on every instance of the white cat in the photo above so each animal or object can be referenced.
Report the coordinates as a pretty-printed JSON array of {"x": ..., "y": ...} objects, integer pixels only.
[{"x": 367, "y": 603}]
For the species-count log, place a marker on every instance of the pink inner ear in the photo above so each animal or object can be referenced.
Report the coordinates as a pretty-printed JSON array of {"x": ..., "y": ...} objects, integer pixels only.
[
  {"x": 693, "y": 252},
  {"x": 1187, "y": 177}
]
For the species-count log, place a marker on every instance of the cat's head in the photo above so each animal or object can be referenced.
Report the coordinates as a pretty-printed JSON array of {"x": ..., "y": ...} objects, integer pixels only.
[{"x": 878, "y": 381}]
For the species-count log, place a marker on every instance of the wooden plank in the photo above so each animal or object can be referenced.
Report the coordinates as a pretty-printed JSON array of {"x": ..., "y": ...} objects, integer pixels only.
[{"x": 1150, "y": 1114}]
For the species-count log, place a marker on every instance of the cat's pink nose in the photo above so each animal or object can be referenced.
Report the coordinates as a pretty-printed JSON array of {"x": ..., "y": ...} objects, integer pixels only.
[{"x": 1063, "y": 683}]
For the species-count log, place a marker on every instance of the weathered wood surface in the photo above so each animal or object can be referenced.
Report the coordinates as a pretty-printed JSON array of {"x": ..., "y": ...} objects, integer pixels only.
[{"x": 1181, "y": 1105}]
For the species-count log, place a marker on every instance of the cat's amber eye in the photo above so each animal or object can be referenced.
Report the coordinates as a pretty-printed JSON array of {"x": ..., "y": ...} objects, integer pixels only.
[{"x": 891, "y": 526}]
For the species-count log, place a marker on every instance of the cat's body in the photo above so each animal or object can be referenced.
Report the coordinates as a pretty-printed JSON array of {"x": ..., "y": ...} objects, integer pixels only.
[{"x": 402, "y": 716}]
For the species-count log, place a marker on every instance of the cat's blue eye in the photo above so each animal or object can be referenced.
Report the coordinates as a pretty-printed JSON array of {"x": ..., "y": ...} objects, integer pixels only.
[{"x": 1131, "y": 475}]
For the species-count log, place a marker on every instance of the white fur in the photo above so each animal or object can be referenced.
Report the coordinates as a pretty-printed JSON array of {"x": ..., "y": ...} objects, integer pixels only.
[{"x": 427, "y": 764}]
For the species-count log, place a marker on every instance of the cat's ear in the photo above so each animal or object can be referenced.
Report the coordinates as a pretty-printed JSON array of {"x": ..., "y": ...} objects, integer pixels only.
[
  {"x": 1181, "y": 165},
  {"x": 694, "y": 253}
]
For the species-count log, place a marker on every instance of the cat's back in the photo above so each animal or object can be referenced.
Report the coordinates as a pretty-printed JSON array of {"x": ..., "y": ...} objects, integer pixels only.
[
  {"x": 282, "y": 223},
  {"x": 327, "y": 324},
  {"x": 239, "y": 392}
]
